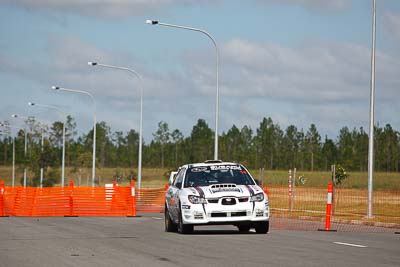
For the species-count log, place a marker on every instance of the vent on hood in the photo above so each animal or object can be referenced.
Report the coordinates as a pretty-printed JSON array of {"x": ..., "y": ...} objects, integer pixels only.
[{"x": 223, "y": 186}]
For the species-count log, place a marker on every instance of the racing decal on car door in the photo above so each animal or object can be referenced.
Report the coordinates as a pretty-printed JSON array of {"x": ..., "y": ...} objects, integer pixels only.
[
  {"x": 202, "y": 195},
  {"x": 200, "y": 191},
  {"x": 251, "y": 191}
]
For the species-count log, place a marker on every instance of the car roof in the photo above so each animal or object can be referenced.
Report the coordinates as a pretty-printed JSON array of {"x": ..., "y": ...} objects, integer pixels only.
[{"x": 209, "y": 163}]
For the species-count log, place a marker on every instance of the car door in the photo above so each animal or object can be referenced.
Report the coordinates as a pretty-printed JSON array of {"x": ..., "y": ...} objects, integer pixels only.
[
  {"x": 174, "y": 194},
  {"x": 170, "y": 192},
  {"x": 168, "y": 196}
]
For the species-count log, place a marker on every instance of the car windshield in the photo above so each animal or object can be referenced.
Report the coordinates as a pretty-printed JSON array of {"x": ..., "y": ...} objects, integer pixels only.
[{"x": 218, "y": 174}]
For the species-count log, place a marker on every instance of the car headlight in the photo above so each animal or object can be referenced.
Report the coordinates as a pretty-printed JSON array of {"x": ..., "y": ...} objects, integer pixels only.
[
  {"x": 196, "y": 199},
  {"x": 257, "y": 197}
]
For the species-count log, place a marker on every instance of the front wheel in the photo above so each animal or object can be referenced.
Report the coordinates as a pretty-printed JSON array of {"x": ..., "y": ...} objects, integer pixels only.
[
  {"x": 184, "y": 228},
  {"x": 262, "y": 227},
  {"x": 170, "y": 226},
  {"x": 244, "y": 228}
]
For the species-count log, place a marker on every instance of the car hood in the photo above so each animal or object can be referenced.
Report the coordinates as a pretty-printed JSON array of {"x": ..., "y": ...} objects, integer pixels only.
[{"x": 221, "y": 190}]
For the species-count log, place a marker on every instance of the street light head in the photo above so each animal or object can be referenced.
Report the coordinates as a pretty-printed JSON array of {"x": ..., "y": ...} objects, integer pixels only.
[
  {"x": 92, "y": 63},
  {"x": 14, "y": 115},
  {"x": 152, "y": 22},
  {"x": 31, "y": 104},
  {"x": 55, "y": 87}
]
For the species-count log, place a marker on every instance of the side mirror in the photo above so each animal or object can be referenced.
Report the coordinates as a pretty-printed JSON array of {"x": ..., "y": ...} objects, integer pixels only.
[
  {"x": 178, "y": 185},
  {"x": 171, "y": 180},
  {"x": 172, "y": 177}
]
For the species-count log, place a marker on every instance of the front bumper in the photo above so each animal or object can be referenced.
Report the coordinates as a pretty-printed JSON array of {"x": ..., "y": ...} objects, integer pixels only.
[{"x": 201, "y": 214}]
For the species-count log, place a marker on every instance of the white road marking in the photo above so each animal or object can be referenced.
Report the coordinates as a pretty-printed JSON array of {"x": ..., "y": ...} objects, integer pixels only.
[
  {"x": 351, "y": 245},
  {"x": 156, "y": 218}
]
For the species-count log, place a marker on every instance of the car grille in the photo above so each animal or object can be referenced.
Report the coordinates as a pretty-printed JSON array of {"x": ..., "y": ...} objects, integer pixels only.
[
  {"x": 238, "y": 214},
  {"x": 225, "y": 214},
  {"x": 216, "y": 200},
  {"x": 228, "y": 201},
  {"x": 218, "y": 214}
]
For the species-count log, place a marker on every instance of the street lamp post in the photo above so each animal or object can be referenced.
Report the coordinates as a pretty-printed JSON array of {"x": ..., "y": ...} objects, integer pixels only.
[
  {"x": 41, "y": 168},
  {"x": 156, "y": 22},
  {"x": 133, "y": 72},
  {"x": 42, "y": 143},
  {"x": 63, "y": 145},
  {"x": 371, "y": 116},
  {"x": 94, "y": 124},
  {"x": 13, "y": 164},
  {"x": 13, "y": 160}
]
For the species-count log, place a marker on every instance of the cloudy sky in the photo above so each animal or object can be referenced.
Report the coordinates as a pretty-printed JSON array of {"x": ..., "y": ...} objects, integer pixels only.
[{"x": 296, "y": 61}]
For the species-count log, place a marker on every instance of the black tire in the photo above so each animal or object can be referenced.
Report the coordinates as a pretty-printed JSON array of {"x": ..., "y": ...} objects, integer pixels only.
[
  {"x": 183, "y": 228},
  {"x": 170, "y": 226},
  {"x": 244, "y": 228},
  {"x": 262, "y": 227}
]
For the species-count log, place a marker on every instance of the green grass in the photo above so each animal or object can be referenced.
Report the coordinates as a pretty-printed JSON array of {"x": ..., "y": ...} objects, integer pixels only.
[
  {"x": 151, "y": 177},
  {"x": 154, "y": 177},
  {"x": 350, "y": 202},
  {"x": 356, "y": 180}
]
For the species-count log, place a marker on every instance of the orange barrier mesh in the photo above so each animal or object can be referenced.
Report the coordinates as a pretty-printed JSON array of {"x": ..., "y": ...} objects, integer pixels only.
[
  {"x": 306, "y": 210},
  {"x": 151, "y": 200},
  {"x": 68, "y": 201},
  {"x": 303, "y": 209},
  {"x": 2, "y": 213},
  {"x": 80, "y": 201},
  {"x": 351, "y": 206}
]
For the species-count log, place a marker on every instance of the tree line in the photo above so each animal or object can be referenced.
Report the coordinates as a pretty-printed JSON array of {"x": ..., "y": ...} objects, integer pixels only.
[{"x": 269, "y": 146}]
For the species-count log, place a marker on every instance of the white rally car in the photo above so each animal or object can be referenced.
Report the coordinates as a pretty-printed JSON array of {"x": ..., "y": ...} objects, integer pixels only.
[{"x": 215, "y": 192}]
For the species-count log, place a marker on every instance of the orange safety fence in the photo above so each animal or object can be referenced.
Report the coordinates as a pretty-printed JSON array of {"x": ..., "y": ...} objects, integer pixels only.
[
  {"x": 111, "y": 200},
  {"x": 67, "y": 201},
  {"x": 303, "y": 208},
  {"x": 151, "y": 200}
]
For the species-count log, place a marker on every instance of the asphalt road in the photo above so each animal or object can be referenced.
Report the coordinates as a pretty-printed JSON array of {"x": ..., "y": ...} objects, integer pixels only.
[{"x": 141, "y": 241}]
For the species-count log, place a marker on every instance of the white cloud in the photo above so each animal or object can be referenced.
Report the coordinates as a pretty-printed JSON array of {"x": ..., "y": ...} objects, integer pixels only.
[
  {"x": 116, "y": 92},
  {"x": 326, "y": 83},
  {"x": 106, "y": 8},
  {"x": 334, "y": 5},
  {"x": 124, "y": 8},
  {"x": 392, "y": 21},
  {"x": 322, "y": 83},
  {"x": 315, "y": 71}
]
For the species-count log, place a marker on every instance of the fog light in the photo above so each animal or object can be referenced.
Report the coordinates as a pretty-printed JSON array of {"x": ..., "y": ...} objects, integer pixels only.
[
  {"x": 259, "y": 213},
  {"x": 198, "y": 216}
]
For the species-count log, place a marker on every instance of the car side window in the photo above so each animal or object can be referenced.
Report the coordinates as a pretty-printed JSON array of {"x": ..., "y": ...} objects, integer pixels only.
[
  {"x": 179, "y": 178},
  {"x": 176, "y": 177}
]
